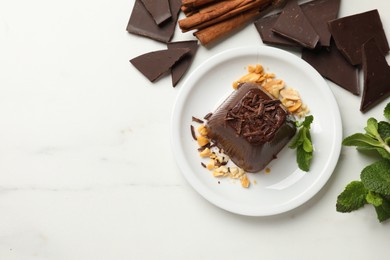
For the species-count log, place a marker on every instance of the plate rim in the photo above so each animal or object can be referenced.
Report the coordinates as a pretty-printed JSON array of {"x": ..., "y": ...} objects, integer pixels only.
[{"x": 175, "y": 129}]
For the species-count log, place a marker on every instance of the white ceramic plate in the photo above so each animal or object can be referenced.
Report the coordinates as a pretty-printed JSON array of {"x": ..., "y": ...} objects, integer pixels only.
[{"x": 286, "y": 186}]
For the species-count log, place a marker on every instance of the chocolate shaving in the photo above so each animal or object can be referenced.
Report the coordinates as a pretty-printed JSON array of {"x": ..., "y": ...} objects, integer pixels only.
[
  {"x": 206, "y": 117},
  {"x": 197, "y": 120},
  {"x": 204, "y": 165},
  {"x": 193, "y": 133},
  {"x": 255, "y": 118}
]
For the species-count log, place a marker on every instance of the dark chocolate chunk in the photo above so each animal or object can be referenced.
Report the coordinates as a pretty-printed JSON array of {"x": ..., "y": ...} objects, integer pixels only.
[
  {"x": 376, "y": 73},
  {"x": 293, "y": 24},
  {"x": 319, "y": 12},
  {"x": 331, "y": 64},
  {"x": 159, "y": 10},
  {"x": 351, "y": 32},
  {"x": 264, "y": 27},
  {"x": 179, "y": 69},
  {"x": 155, "y": 64},
  {"x": 141, "y": 22},
  {"x": 250, "y": 127}
]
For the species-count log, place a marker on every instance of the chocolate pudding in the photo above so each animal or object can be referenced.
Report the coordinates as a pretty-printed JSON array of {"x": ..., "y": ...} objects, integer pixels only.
[{"x": 251, "y": 127}]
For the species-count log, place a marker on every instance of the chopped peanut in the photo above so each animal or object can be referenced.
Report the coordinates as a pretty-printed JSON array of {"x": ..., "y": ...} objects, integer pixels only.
[
  {"x": 295, "y": 107},
  {"x": 202, "y": 141},
  {"x": 290, "y": 93},
  {"x": 205, "y": 153},
  {"x": 202, "y": 130},
  {"x": 245, "y": 181}
]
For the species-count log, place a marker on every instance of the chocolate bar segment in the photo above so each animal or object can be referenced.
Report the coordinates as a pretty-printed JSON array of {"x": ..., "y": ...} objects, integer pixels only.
[
  {"x": 351, "y": 32},
  {"x": 154, "y": 64},
  {"x": 159, "y": 10},
  {"x": 376, "y": 73},
  {"x": 142, "y": 23},
  {"x": 179, "y": 69},
  {"x": 251, "y": 127},
  {"x": 331, "y": 64},
  {"x": 293, "y": 24},
  {"x": 264, "y": 27},
  {"x": 319, "y": 12}
]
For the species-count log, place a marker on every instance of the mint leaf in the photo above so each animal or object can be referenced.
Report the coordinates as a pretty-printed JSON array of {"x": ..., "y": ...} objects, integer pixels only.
[
  {"x": 361, "y": 140},
  {"x": 374, "y": 199},
  {"x": 303, "y": 159},
  {"x": 296, "y": 141},
  {"x": 307, "y": 145},
  {"x": 372, "y": 127},
  {"x": 376, "y": 177},
  {"x": 352, "y": 198},
  {"x": 307, "y": 122},
  {"x": 374, "y": 187},
  {"x": 386, "y": 112},
  {"x": 384, "y": 153},
  {"x": 303, "y": 144},
  {"x": 384, "y": 130},
  {"x": 383, "y": 211}
]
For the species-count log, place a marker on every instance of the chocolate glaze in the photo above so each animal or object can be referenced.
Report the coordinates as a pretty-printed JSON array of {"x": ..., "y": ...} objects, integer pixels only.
[{"x": 251, "y": 127}]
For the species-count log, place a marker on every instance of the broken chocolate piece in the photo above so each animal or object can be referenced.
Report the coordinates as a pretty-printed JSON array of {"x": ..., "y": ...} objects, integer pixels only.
[
  {"x": 141, "y": 22},
  {"x": 293, "y": 24},
  {"x": 159, "y": 10},
  {"x": 376, "y": 73},
  {"x": 264, "y": 27},
  {"x": 351, "y": 32},
  {"x": 155, "y": 64},
  {"x": 319, "y": 12},
  {"x": 179, "y": 69},
  {"x": 331, "y": 64},
  {"x": 250, "y": 127}
]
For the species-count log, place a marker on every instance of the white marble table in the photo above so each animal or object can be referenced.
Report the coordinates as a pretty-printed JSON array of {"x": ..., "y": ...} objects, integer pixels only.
[{"x": 86, "y": 167}]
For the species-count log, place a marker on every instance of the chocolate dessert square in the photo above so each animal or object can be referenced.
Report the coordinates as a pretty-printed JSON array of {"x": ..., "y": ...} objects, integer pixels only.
[{"x": 251, "y": 127}]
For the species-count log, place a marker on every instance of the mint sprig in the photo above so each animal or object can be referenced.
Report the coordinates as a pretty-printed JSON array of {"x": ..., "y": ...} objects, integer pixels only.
[
  {"x": 374, "y": 186},
  {"x": 303, "y": 144}
]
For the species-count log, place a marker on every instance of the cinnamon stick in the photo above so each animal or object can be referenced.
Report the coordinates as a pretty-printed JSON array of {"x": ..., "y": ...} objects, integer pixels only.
[
  {"x": 190, "y": 7},
  {"x": 197, "y": 3},
  {"x": 219, "y": 9},
  {"x": 232, "y": 22},
  {"x": 214, "y": 32},
  {"x": 245, "y": 6}
]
